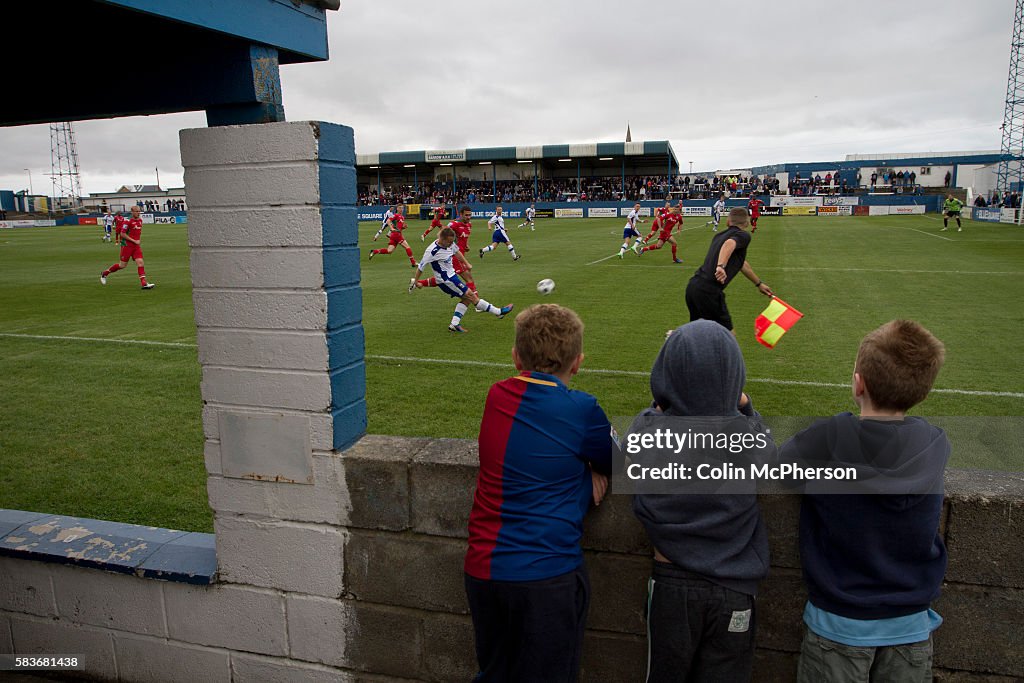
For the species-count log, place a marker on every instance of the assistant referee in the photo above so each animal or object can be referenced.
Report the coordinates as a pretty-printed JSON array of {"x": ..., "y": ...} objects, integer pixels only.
[{"x": 727, "y": 255}]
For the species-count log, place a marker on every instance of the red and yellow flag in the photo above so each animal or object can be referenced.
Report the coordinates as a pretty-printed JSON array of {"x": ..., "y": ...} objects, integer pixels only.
[{"x": 775, "y": 321}]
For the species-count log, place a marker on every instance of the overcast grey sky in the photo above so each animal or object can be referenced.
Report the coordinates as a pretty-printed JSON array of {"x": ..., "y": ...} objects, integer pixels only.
[{"x": 731, "y": 85}]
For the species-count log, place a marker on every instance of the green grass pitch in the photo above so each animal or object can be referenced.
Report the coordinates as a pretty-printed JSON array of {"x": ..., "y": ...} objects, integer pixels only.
[{"x": 111, "y": 430}]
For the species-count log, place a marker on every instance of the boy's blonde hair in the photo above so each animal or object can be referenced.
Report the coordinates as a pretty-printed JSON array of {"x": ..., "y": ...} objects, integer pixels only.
[
  {"x": 739, "y": 216},
  {"x": 549, "y": 338},
  {"x": 898, "y": 363}
]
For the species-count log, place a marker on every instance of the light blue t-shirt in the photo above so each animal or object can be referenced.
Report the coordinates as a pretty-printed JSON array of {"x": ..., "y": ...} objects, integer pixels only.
[{"x": 912, "y": 628}]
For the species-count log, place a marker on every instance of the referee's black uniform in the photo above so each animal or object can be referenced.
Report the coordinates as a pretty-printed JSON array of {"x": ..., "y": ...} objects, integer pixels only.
[{"x": 705, "y": 296}]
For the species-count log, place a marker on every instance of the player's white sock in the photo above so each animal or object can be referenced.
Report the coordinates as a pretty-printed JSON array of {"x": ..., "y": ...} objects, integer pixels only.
[
  {"x": 460, "y": 310},
  {"x": 482, "y": 306},
  {"x": 489, "y": 247},
  {"x": 623, "y": 248},
  {"x": 512, "y": 250}
]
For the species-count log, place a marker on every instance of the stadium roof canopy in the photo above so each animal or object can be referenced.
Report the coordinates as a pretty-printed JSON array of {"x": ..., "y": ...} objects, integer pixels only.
[
  {"x": 225, "y": 61},
  {"x": 654, "y": 154}
]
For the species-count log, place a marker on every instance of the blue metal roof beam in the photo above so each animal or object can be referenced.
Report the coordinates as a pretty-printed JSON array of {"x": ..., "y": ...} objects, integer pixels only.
[
  {"x": 226, "y": 57},
  {"x": 297, "y": 29}
]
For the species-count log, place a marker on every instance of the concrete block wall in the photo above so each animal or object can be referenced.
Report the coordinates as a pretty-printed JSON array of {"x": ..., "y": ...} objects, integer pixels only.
[
  {"x": 378, "y": 595},
  {"x": 275, "y": 275},
  {"x": 407, "y": 557}
]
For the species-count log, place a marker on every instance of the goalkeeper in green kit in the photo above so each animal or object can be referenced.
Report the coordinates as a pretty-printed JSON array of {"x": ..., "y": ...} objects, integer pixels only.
[{"x": 951, "y": 207}]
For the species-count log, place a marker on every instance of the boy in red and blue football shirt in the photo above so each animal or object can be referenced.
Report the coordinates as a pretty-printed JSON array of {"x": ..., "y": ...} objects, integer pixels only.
[{"x": 544, "y": 454}]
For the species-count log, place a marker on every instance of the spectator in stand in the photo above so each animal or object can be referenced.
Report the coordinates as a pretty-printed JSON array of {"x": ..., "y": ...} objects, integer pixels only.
[
  {"x": 912, "y": 177},
  {"x": 949, "y": 178},
  {"x": 828, "y": 178},
  {"x": 858, "y": 178},
  {"x": 874, "y": 179},
  {"x": 979, "y": 201}
]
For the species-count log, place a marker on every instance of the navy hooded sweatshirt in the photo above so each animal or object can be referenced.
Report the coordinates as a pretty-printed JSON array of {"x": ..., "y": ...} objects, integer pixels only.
[{"x": 874, "y": 556}]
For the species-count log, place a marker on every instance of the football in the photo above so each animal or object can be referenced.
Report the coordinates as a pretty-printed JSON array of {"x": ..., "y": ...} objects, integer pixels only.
[{"x": 546, "y": 286}]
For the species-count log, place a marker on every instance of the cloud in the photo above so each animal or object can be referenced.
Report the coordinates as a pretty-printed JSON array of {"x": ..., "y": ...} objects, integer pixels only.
[{"x": 730, "y": 86}]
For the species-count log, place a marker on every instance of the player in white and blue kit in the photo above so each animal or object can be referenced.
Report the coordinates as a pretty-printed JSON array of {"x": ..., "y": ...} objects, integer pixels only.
[
  {"x": 530, "y": 213},
  {"x": 438, "y": 257},
  {"x": 630, "y": 231},
  {"x": 716, "y": 212},
  {"x": 108, "y": 226},
  {"x": 385, "y": 224},
  {"x": 499, "y": 236}
]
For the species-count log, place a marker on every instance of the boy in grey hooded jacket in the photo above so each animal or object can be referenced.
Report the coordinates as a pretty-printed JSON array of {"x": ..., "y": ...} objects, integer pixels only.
[{"x": 711, "y": 550}]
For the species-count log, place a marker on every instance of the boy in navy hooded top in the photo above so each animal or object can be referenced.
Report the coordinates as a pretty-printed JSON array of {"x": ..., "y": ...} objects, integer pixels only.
[{"x": 873, "y": 563}]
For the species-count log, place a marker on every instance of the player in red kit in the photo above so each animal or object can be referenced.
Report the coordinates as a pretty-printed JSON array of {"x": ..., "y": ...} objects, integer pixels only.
[
  {"x": 669, "y": 224},
  {"x": 754, "y": 206},
  {"x": 659, "y": 221},
  {"x": 119, "y": 222},
  {"x": 463, "y": 227},
  {"x": 131, "y": 248},
  {"x": 436, "y": 223},
  {"x": 395, "y": 238}
]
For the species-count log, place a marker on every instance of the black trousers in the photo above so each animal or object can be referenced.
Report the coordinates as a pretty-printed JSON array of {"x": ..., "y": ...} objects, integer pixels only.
[
  {"x": 697, "y": 630},
  {"x": 706, "y": 301},
  {"x": 530, "y": 631}
]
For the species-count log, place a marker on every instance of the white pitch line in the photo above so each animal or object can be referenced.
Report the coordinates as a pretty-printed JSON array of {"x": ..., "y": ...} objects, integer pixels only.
[
  {"x": 638, "y": 373},
  {"x": 602, "y": 259},
  {"x": 614, "y": 255},
  {"x": 928, "y": 233},
  {"x": 857, "y": 270},
  {"x": 177, "y": 345},
  {"x": 492, "y": 364}
]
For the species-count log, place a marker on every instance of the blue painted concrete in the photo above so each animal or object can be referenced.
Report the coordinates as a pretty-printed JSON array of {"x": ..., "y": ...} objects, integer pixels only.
[
  {"x": 112, "y": 546},
  {"x": 345, "y": 339},
  {"x": 299, "y": 30},
  {"x": 190, "y": 558}
]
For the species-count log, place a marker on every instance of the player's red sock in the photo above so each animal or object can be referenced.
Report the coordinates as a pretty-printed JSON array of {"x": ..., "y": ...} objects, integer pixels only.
[
  {"x": 379, "y": 251},
  {"x": 471, "y": 285},
  {"x": 142, "y": 276},
  {"x": 431, "y": 282},
  {"x": 111, "y": 269}
]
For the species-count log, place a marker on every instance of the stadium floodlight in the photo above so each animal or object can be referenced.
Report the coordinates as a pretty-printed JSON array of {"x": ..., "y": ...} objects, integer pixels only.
[
  {"x": 447, "y": 164},
  {"x": 606, "y": 158},
  {"x": 565, "y": 159},
  {"x": 485, "y": 163},
  {"x": 525, "y": 161},
  {"x": 375, "y": 167},
  {"x": 409, "y": 166}
]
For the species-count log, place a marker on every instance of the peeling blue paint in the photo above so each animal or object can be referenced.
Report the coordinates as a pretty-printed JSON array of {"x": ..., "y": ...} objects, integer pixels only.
[{"x": 126, "y": 548}]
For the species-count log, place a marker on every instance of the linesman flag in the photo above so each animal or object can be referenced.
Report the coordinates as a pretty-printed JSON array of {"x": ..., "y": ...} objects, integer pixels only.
[{"x": 774, "y": 322}]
